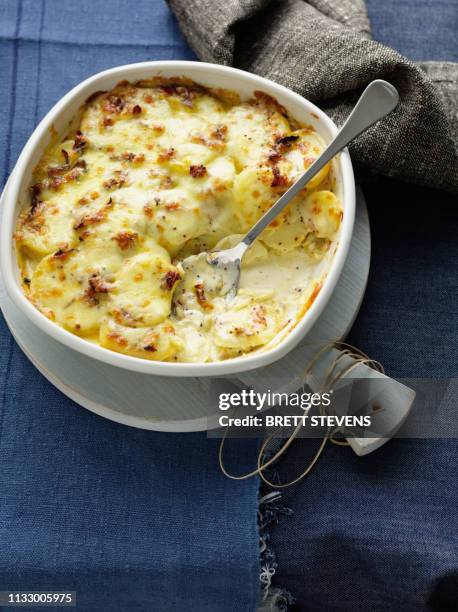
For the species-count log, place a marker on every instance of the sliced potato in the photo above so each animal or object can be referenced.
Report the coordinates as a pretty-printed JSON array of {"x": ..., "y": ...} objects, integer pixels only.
[
  {"x": 69, "y": 293},
  {"x": 285, "y": 238},
  {"x": 157, "y": 343},
  {"x": 250, "y": 322},
  {"x": 250, "y": 132},
  {"x": 143, "y": 287},
  {"x": 322, "y": 210},
  {"x": 253, "y": 194},
  {"x": 45, "y": 229},
  {"x": 301, "y": 155},
  {"x": 176, "y": 221}
]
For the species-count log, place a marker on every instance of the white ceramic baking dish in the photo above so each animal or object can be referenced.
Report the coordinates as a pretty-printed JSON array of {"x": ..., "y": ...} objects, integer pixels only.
[{"x": 244, "y": 84}]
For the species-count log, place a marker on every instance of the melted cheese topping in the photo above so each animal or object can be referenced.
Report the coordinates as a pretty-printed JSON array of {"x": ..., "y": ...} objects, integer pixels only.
[{"x": 157, "y": 171}]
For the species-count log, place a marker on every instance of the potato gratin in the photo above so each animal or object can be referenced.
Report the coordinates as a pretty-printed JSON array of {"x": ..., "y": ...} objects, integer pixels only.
[{"x": 157, "y": 171}]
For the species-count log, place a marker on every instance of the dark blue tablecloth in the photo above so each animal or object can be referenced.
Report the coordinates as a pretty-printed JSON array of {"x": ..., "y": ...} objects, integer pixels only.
[
  {"x": 131, "y": 520},
  {"x": 140, "y": 521}
]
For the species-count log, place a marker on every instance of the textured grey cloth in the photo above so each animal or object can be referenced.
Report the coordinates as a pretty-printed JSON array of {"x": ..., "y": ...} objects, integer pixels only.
[{"x": 322, "y": 49}]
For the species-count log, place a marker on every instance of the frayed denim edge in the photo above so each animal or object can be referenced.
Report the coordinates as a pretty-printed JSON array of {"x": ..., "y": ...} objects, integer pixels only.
[{"x": 271, "y": 508}]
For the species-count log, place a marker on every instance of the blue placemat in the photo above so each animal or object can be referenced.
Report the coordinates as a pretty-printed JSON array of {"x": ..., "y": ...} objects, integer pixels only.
[{"x": 131, "y": 520}]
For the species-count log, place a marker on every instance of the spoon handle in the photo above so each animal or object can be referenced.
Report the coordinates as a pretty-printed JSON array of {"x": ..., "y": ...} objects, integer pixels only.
[{"x": 377, "y": 100}]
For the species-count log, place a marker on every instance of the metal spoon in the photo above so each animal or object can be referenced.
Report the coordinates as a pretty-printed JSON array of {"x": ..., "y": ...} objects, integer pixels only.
[{"x": 377, "y": 100}]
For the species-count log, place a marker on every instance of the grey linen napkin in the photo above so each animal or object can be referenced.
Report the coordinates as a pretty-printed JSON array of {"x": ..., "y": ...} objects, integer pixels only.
[{"x": 322, "y": 50}]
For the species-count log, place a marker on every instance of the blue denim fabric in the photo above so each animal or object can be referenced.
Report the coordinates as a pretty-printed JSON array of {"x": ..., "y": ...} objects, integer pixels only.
[
  {"x": 131, "y": 520},
  {"x": 369, "y": 534},
  {"x": 422, "y": 30}
]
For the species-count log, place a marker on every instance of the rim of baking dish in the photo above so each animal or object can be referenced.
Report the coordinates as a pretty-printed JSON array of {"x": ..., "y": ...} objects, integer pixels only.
[{"x": 250, "y": 361}]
